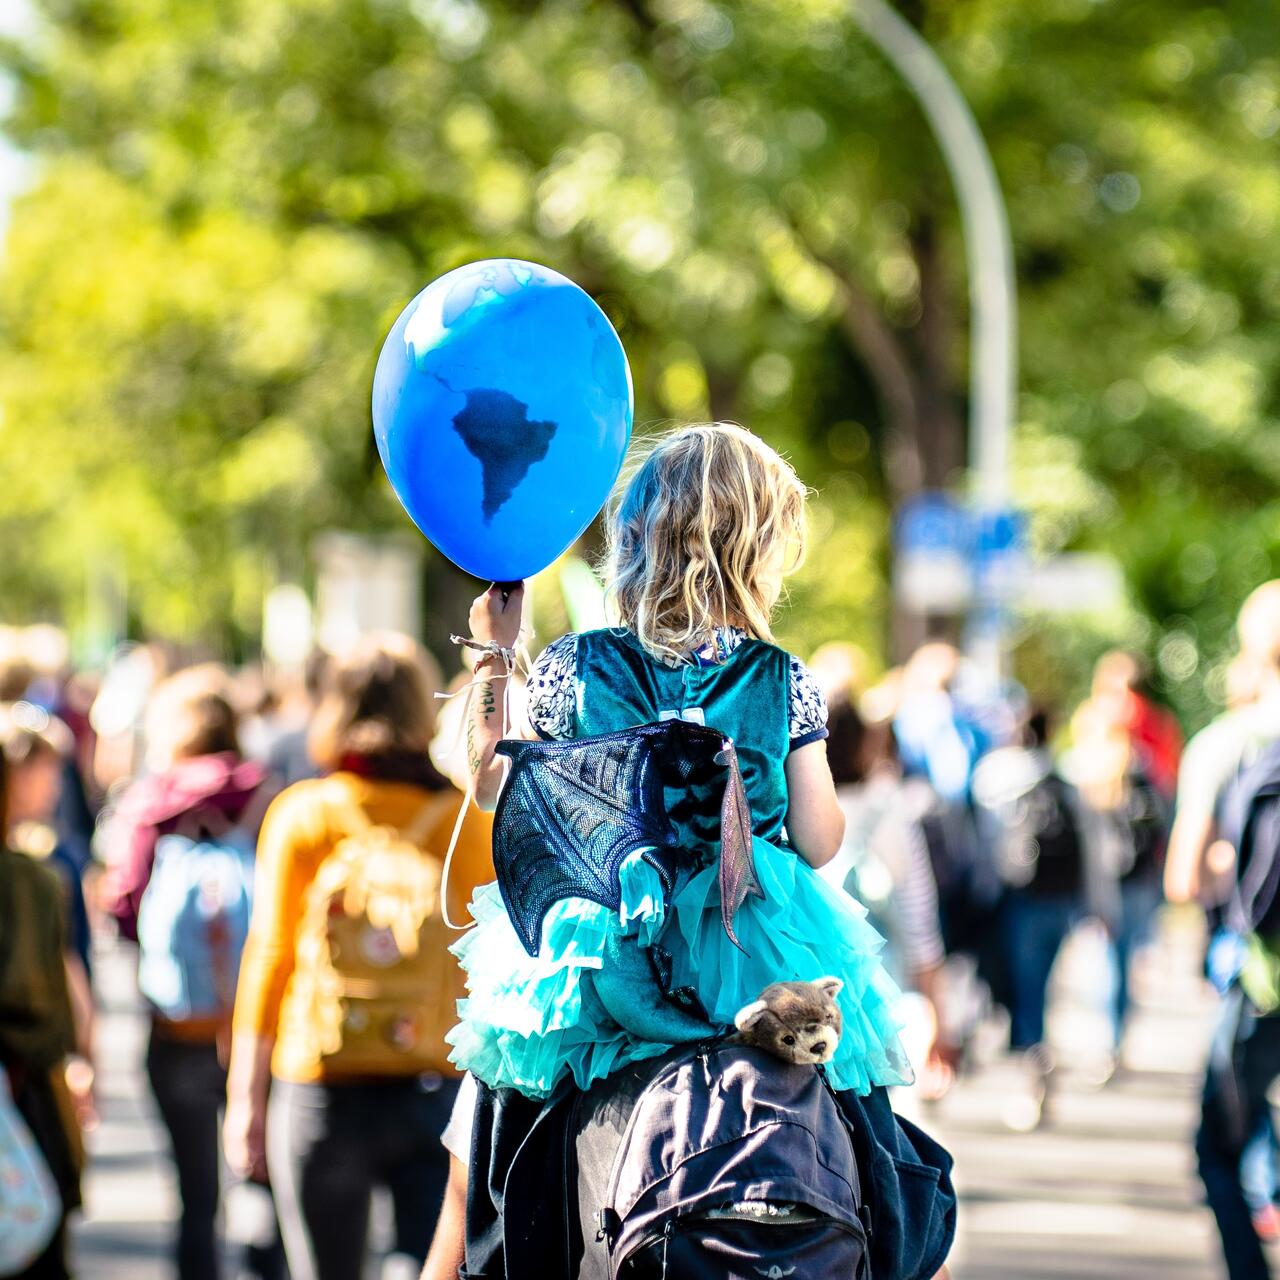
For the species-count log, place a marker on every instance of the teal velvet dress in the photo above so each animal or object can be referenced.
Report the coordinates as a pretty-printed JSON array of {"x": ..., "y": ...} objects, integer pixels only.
[{"x": 530, "y": 1021}]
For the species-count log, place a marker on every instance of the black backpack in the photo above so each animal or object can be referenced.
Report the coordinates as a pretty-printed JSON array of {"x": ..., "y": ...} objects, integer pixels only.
[
  {"x": 1143, "y": 819},
  {"x": 1041, "y": 846},
  {"x": 1249, "y": 819},
  {"x": 542, "y": 1202},
  {"x": 717, "y": 1162}
]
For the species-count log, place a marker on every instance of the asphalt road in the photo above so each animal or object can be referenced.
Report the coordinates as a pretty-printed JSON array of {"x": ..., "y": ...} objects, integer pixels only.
[{"x": 1104, "y": 1188}]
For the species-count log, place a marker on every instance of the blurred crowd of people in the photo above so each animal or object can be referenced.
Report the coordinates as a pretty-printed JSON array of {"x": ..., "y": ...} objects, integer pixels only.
[
  {"x": 981, "y": 830},
  {"x": 158, "y": 802}
]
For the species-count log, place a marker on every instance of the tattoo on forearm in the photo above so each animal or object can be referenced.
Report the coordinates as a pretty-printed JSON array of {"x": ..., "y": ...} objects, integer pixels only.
[{"x": 488, "y": 708}]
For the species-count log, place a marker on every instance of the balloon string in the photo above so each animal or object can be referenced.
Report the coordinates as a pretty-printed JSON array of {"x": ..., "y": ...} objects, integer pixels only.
[
  {"x": 463, "y": 810},
  {"x": 515, "y": 659}
]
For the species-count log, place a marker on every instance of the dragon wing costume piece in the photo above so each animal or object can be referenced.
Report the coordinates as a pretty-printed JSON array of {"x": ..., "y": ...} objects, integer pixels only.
[{"x": 572, "y": 812}]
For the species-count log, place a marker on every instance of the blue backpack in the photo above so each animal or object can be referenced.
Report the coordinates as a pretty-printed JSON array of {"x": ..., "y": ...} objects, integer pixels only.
[{"x": 193, "y": 923}]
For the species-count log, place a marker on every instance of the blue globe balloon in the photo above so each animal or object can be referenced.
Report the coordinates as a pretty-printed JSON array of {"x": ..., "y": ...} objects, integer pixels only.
[{"x": 502, "y": 409}]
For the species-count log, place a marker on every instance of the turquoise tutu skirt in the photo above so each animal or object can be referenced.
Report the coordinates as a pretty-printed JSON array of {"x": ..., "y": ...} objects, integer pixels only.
[{"x": 530, "y": 1021}]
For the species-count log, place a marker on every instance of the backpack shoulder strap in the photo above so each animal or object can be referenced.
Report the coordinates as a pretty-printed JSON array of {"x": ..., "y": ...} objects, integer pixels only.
[
  {"x": 440, "y": 806},
  {"x": 355, "y": 820},
  {"x": 348, "y": 815}
]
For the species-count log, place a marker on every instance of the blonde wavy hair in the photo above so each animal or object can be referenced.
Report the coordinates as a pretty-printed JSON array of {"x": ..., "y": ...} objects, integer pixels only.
[{"x": 700, "y": 536}]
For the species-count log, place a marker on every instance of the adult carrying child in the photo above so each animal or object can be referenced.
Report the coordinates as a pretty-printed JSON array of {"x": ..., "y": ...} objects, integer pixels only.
[{"x": 667, "y": 949}]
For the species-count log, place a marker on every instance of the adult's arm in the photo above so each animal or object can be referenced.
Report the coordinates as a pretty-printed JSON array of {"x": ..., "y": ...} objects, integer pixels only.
[
  {"x": 282, "y": 871},
  {"x": 1208, "y": 764},
  {"x": 1189, "y": 841},
  {"x": 244, "y": 1128},
  {"x": 494, "y": 620},
  {"x": 448, "y": 1246},
  {"x": 918, "y": 907}
]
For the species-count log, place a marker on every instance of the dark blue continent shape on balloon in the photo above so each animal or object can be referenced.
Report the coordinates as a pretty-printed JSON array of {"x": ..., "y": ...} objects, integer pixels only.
[{"x": 497, "y": 430}]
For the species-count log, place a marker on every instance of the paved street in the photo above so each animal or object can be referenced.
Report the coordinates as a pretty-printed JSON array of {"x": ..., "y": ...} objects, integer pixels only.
[
  {"x": 130, "y": 1193},
  {"x": 1105, "y": 1189}
]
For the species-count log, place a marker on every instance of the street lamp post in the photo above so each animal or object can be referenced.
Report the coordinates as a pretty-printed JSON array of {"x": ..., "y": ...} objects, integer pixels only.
[{"x": 993, "y": 303}]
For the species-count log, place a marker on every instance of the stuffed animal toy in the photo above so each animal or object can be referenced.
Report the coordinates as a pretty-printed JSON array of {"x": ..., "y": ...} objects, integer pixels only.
[{"x": 798, "y": 1022}]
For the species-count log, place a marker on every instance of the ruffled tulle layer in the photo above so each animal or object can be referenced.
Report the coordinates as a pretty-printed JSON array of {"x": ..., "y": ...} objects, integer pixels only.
[{"x": 529, "y": 1021}]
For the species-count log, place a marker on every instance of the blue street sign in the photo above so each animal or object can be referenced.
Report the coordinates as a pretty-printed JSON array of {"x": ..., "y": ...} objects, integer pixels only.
[
  {"x": 999, "y": 554},
  {"x": 932, "y": 521},
  {"x": 950, "y": 557}
]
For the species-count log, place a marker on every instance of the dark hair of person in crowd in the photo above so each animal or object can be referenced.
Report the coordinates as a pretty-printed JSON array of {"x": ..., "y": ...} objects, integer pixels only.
[
  {"x": 847, "y": 741},
  {"x": 16, "y": 675},
  {"x": 315, "y": 674},
  {"x": 379, "y": 700},
  {"x": 192, "y": 714},
  {"x": 34, "y": 744},
  {"x": 1039, "y": 728},
  {"x": 856, "y": 746},
  {"x": 259, "y": 693}
]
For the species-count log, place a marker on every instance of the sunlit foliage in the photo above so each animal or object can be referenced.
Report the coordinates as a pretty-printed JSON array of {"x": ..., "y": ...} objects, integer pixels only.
[{"x": 235, "y": 197}]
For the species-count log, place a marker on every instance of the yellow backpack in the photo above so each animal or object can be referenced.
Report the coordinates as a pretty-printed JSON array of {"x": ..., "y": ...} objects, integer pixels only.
[{"x": 375, "y": 988}]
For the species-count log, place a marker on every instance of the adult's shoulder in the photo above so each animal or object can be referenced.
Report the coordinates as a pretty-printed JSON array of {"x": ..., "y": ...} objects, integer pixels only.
[
  {"x": 33, "y": 874},
  {"x": 306, "y": 810},
  {"x": 554, "y": 658},
  {"x": 767, "y": 651},
  {"x": 1212, "y": 759},
  {"x": 1220, "y": 743},
  {"x": 34, "y": 890},
  {"x": 784, "y": 658}
]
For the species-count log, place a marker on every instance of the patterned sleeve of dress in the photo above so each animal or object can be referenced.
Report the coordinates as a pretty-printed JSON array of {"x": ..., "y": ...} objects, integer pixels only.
[
  {"x": 808, "y": 713},
  {"x": 552, "y": 699}
]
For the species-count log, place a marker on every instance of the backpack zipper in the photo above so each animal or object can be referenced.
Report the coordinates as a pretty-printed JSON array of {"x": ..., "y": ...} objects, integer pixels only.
[{"x": 672, "y": 1226}]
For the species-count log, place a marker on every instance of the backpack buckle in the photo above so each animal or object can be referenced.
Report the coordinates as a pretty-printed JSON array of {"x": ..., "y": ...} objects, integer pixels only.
[{"x": 607, "y": 1224}]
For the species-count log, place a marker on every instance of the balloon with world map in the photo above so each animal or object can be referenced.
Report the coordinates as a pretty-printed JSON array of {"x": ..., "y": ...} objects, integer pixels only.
[{"x": 502, "y": 409}]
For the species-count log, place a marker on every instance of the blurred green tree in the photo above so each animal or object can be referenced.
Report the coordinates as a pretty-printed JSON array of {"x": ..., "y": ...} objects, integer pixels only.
[{"x": 235, "y": 198}]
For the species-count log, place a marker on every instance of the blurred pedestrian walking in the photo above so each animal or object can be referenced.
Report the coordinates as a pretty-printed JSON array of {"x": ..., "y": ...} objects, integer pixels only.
[
  {"x": 1227, "y": 833},
  {"x": 37, "y": 1037},
  {"x": 1121, "y": 693},
  {"x": 347, "y": 988},
  {"x": 37, "y": 746},
  {"x": 1033, "y": 821},
  {"x": 1124, "y": 746},
  {"x": 884, "y": 863},
  {"x": 288, "y": 755},
  {"x": 36, "y": 670},
  {"x": 946, "y": 718},
  {"x": 179, "y": 855},
  {"x": 278, "y": 705}
]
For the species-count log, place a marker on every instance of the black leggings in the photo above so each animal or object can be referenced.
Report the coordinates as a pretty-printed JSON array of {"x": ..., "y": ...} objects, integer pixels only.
[
  {"x": 328, "y": 1145},
  {"x": 190, "y": 1087}
]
